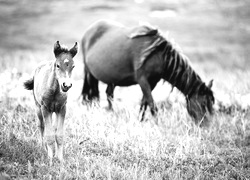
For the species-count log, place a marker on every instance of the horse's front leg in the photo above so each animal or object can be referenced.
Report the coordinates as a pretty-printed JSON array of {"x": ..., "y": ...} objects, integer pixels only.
[
  {"x": 143, "y": 108},
  {"x": 60, "y": 116},
  {"x": 49, "y": 133},
  {"x": 146, "y": 89}
]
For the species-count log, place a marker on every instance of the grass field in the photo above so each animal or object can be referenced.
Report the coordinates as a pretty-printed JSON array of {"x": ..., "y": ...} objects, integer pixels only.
[{"x": 214, "y": 34}]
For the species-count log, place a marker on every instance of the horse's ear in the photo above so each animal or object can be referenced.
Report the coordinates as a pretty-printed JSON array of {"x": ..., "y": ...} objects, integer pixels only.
[
  {"x": 57, "y": 49},
  {"x": 73, "y": 50},
  {"x": 210, "y": 84}
]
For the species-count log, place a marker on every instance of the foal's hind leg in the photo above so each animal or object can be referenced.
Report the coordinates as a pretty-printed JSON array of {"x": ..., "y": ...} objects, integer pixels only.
[
  {"x": 110, "y": 95},
  {"x": 60, "y": 116}
]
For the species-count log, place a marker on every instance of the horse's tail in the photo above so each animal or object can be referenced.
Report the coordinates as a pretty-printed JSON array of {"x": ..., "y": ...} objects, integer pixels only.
[
  {"x": 29, "y": 84},
  {"x": 90, "y": 90}
]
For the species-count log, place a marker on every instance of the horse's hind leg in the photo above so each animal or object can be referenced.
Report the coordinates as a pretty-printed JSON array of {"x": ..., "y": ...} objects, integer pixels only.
[
  {"x": 60, "y": 116},
  {"x": 49, "y": 134},
  {"x": 94, "y": 91},
  {"x": 86, "y": 87},
  {"x": 90, "y": 89},
  {"x": 110, "y": 95}
]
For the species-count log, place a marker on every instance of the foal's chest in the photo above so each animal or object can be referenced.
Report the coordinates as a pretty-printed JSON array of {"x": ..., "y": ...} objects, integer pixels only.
[{"x": 54, "y": 101}]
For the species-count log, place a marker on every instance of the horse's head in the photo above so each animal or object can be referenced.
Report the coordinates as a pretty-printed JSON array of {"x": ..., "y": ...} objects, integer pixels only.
[
  {"x": 200, "y": 105},
  {"x": 64, "y": 65}
]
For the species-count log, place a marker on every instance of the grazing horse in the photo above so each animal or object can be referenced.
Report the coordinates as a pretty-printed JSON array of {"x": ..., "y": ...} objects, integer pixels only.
[
  {"x": 50, "y": 84},
  {"x": 121, "y": 56}
]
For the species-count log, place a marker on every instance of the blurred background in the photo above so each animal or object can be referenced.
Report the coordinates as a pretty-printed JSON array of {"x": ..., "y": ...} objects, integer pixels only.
[
  {"x": 207, "y": 30},
  {"x": 214, "y": 34}
]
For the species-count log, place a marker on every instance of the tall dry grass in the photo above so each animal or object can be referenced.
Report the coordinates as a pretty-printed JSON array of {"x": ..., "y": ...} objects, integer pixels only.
[{"x": 115, "y": 145}]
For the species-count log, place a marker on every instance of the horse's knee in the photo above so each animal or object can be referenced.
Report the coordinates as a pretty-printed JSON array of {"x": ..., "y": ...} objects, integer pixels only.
[{"x": 153, "y": 109}]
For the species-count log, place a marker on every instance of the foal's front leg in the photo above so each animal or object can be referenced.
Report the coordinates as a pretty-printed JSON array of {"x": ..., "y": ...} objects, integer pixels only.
[
  {"x": 49, "y": 133},
  {"x": 40, "y": 122},
  {"x": 60, "y": 116}
]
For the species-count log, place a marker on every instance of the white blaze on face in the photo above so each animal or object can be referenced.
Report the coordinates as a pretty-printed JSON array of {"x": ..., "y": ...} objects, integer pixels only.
[
  {"x": 65, "y": 81},
  {"x": 66, "y": 61}
]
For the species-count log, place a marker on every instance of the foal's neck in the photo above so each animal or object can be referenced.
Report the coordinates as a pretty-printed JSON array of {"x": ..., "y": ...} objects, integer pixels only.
[{"x": 52, "y": 81}]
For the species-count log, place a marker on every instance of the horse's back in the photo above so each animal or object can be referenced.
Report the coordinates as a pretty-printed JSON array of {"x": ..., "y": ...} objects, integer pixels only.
[
  {"x": 41, "y": 78},
  {"x": 97, "y": 31},
  {"x": 113, "y": 53}
]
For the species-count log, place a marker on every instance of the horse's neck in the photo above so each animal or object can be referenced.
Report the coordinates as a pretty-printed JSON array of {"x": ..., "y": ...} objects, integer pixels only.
[
  {"x": 52, "y": 83},
  {"x": 179, "y": 73}
]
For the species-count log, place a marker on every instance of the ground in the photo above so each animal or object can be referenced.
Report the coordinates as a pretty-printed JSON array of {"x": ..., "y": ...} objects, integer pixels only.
[{"x": 99, "y": 144}]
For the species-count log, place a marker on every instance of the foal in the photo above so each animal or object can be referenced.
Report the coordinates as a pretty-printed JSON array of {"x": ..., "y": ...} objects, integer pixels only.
[{"x": 50, "y": 83}]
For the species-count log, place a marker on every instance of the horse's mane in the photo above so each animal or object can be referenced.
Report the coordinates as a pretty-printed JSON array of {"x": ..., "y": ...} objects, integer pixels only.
[
  {"x": 153, "y": 43},
  {"x": 160, "y": 42}
]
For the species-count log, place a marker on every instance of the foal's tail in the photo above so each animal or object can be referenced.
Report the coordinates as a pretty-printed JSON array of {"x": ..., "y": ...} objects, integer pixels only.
[{"x": 29, "y": 84}]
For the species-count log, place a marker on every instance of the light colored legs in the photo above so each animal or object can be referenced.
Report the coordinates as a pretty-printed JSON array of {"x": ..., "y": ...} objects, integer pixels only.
[
  {"x": 40, "y": 123},
  {"x": 49, "y": 134},
  {"x": 60, "y": 116}
]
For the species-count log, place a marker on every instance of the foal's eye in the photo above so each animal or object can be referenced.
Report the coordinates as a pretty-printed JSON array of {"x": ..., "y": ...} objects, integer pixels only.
[{"x": 57, "y": 66}]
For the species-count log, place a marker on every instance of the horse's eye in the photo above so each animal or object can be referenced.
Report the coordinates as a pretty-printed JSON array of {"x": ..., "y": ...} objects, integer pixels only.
[{"x": 58, "y": 66}]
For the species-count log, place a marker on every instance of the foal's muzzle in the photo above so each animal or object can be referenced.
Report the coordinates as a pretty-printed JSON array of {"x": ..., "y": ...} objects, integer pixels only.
[{"x": 66, "y": 87}]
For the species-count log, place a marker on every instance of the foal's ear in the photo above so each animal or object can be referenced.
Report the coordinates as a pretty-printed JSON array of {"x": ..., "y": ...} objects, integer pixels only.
[
  {"x": 57, "y": 48},
  {"x": 73, "y": 50}
]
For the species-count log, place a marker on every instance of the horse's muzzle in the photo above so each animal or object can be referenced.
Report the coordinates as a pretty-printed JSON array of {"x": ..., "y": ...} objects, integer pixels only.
[{"x": 66, "y": 87}]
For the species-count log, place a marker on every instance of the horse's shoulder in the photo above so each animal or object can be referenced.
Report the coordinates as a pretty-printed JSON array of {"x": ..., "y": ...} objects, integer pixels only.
[{"x": 143, "y": 30}]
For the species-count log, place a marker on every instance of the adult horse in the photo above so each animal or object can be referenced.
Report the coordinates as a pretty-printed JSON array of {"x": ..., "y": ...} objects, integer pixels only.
[
  {"x": 121, "y": 56},
  {"x": 50, "y": 84}
]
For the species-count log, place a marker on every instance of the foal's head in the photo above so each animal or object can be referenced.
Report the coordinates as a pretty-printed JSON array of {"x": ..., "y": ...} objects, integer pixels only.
[
  {"x": 200, "y": 105},
  {"x": 64, "y": 65}
]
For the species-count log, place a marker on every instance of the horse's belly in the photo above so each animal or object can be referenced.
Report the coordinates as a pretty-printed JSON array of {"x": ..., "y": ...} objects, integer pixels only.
[{"x": 111, "y": 70}]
